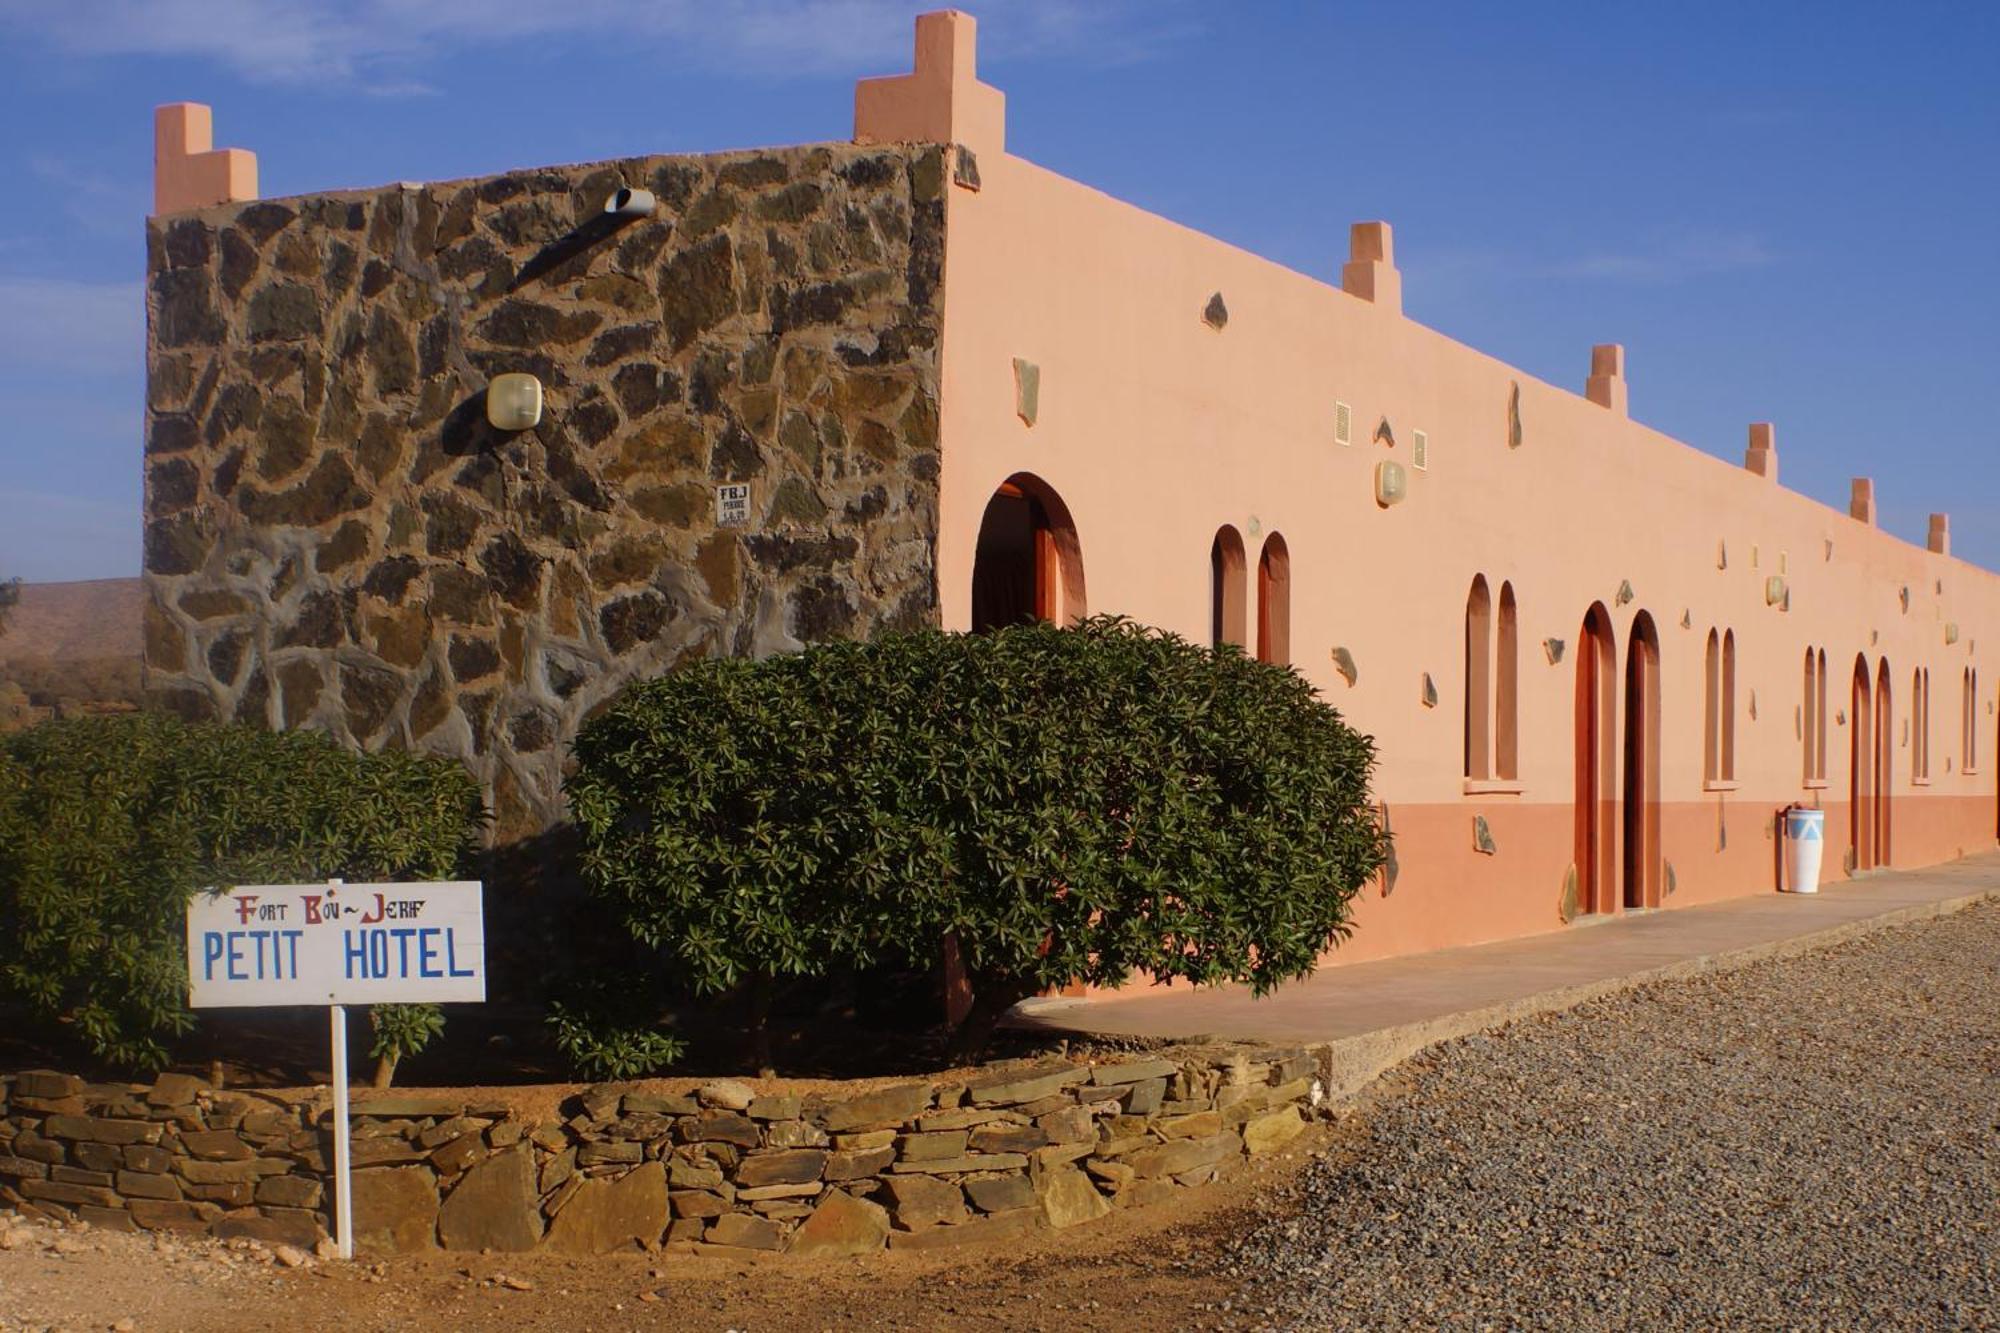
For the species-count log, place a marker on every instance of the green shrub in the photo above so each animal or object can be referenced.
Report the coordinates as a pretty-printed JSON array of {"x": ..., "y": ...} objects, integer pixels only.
[
  {"x": 109, "y": 825},
  {"x": 600, "y": 1033},
  {"x": 1069, "y": 804}
]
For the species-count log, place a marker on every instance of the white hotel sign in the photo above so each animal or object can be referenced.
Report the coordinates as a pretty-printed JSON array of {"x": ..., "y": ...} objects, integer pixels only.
[{"x": 273, "y": 944}]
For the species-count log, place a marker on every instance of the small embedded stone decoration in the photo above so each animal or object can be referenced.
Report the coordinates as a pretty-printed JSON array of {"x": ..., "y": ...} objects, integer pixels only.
[
  {"x": 965, "y": 169},
  {"x": 1874, "y": 637},
  {"x": 1624, "y": 591},
  {"x": 1384, "y": 433},
  {"x": 1571, "y": 900},
  {"x": 1390, "y": 866},
  {"x": 1343, "y": 662},
  {"x": 1482, "y": 836},
  {"x": 1847, "y": 860},
  {"x": 1951, "y": 632},
  {"x": 1904, "y": 595},
  {"x": 1722, "y": 555},
  {"x": 1554, "y": 648},
  {"x": 1672, "y": 882},
  {"x": 1027, "y": 390},
  {"x": 1687, "y": 619},
  {"x": 1840, "y": 717},
  {"x": 1430, "y": 693},
  {"x": 1721, "y": 828},
  {"x": 1215, "y": 314},
  {"x": 1514, "y": 416},
  {"x": 1753, "y": 705}
]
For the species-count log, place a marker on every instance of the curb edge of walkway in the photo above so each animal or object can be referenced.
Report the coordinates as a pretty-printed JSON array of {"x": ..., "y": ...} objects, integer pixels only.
[{"x": 1348, "y": 1066}]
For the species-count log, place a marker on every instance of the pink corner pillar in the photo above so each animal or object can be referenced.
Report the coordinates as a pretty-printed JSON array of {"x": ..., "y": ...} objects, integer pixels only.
[
  {"x": 188, "y": 170},
  {"x": 942, "y": 101}
]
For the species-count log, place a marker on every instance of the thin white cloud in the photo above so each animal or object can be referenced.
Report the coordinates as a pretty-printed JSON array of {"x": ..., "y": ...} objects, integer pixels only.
[
  {"x": 1669, "y": 256},
  {"x": 383, "y": 46},
  {"x": 84, "y": 328}
]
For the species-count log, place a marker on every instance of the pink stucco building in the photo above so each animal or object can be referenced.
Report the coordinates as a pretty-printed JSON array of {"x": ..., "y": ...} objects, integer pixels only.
[{"x": 1597, "y": 661}]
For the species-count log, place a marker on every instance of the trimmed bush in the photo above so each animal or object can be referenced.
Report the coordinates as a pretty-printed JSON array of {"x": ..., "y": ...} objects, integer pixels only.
[
  {"x": 109, "y": 825},
  {"x": 1063, "y": 804}
]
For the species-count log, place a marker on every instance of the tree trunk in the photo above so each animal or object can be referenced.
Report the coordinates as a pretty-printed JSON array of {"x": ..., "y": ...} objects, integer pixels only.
[
  {"x": 992, "y": 997},
  {"x": 385, "y": 1070}
]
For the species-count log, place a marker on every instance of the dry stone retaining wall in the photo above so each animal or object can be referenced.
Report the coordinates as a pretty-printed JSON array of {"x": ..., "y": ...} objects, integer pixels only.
[
  {"x": 911, "y": 1165},
  {"x": 335, "y": 538}
]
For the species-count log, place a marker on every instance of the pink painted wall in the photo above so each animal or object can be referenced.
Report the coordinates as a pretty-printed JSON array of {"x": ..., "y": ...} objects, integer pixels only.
[{"x": 1156, "y": 429}]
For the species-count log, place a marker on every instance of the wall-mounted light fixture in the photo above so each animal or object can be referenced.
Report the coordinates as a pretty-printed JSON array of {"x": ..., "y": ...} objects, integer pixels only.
[
  {"x": 626, "y": 202},
  {"x": 514, "y": 401},
  {"x": 1392, "y": 484},
  {"x": 1774, "y": 590}
]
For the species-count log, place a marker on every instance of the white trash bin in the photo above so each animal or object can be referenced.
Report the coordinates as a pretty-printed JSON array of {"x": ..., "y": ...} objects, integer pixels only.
[{"x": 1805, "y": 840}]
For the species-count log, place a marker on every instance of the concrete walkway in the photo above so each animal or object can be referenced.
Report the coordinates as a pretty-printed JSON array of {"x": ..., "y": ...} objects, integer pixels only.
[{"x": 1363, "y": 1019}]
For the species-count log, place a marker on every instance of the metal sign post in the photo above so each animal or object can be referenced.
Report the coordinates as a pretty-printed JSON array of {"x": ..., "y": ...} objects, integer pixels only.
[
  {"x": 337, "y": 944},
  {"x": 343, "y": 1164}
]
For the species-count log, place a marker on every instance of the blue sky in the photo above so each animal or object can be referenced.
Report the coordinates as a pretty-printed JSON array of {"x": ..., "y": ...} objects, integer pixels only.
[{"x": 1785, "y": 211}]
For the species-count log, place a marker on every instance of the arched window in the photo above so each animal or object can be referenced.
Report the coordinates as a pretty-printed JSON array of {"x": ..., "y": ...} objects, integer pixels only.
[
  {"x": 1274, "y": 602},
  {"x": 1478, "y": 680},
  {"x": 1920, "y": 725},
  {"x": 1729, "y": 705},
  {"x": 1711, "y": 702},
  {"x": 1813, "y": 732},
  {"x": 1819, "y": 759},
  {"x": 1968, "y": 740},
  {"x": 1226, "y": 618},
  {"x": 1809, "y": 716},
  {"x": 1506, "y": 720},
  {"x": 1492, "y": 667}
]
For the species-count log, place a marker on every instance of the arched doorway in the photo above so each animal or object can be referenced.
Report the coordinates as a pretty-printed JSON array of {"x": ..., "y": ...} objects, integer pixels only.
[
  {"x": 1861, "y": 769},
  {"x": 1274, "y": 602},
  {"x": 1226, "y": 616},
  {"x": 1029, "y": 564},
  {"x": 1885, "y": 764},
  {"x": 1596, "y": 762},
  {"x": 1642, "y": 765}
]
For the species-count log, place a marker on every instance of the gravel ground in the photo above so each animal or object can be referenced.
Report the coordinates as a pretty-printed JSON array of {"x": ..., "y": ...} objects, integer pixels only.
[{"x": 1807, "y": 1143}]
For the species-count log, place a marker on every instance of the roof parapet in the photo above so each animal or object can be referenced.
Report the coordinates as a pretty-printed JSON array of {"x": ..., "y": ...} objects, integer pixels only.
[
  {"x": 1370, "y": 272},
  {"x": 1762, "y": 455},
  {"x": 1861, "y": 500},
  {"x": 942, "y": 99},
  {"x": 1940, "y": 534},
  {"x": 1606, "y": 386},
  {"x": 188, "y": 170}
]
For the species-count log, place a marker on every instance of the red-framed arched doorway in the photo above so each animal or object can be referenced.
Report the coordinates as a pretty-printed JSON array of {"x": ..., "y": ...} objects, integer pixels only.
[
  {"x": 1029, "y": 563},
  {"x": 1885, "y": 766},
  {"x": 1642, "y": 861},
  {"x": 1861, "y": 768},
  {"x": 1596, "y": 729}
]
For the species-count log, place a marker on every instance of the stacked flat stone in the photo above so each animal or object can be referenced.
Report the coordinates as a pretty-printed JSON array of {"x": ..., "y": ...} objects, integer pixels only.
[
  {"x": 177, "y": 1156},
  {"x": 911, "y": 1165}
]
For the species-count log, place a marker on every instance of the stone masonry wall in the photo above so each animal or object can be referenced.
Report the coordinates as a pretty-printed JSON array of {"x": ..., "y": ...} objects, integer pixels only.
[
  {"x": 335, "y": 537},
  {"x": 912, "y": 1165}
]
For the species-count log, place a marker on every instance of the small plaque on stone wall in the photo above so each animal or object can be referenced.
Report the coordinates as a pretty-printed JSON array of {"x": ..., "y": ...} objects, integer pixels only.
[{"x": 732, "y": 505}]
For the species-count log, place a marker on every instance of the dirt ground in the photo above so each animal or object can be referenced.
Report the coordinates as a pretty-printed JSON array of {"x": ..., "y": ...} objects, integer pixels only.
[{"x": 1144, "y": 1269}]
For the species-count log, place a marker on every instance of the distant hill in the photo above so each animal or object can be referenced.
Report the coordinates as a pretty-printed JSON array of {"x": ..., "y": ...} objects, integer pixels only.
[
  {"x": 92, "y": 618},
  {"x": 71, "y": 648}
]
